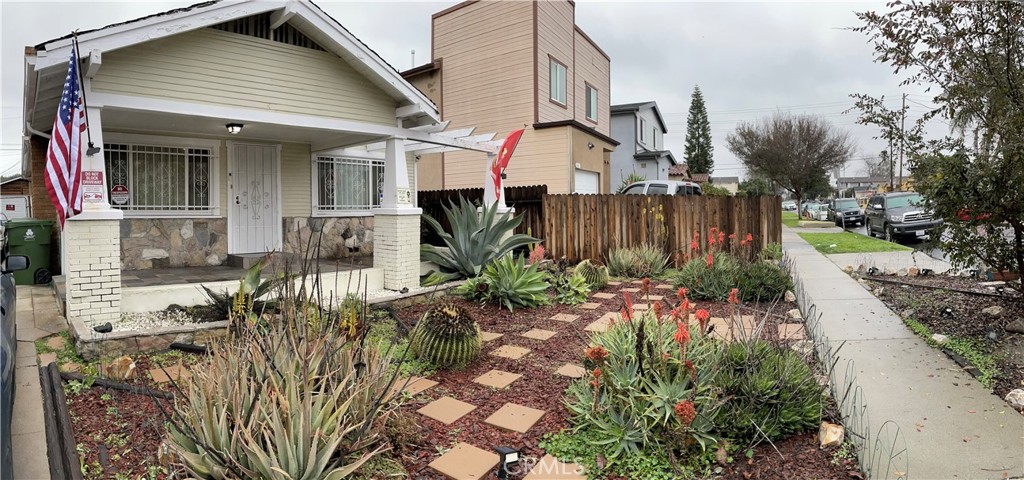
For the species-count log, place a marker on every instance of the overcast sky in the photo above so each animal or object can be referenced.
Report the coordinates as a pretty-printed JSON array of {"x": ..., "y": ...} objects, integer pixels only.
[{"x": 749, "y": 58}]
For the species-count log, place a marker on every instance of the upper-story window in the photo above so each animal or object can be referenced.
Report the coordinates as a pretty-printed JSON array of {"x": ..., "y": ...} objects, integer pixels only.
[
  {"x": 643, "y": 130},
  {"x": 654, "y": 138},
  {"x": 591, "y": 103},
  {"x": 558, "y": 78}
]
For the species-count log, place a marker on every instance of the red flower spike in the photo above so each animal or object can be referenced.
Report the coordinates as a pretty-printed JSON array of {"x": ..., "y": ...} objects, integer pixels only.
[
  {"x": 659, "y": 309},
  {"x": 681, "y": 293},
  {"x": 750, "y": 238},
  {"x": 627, "y": 311},
  {"x": 686, "y": 412},
  {"x": 596, "y": 373},
  {"x": 734, "y": 296},
  {"x": 711, "y": 259},
  {"x": 693, "y": 371},
  {"x": 597, "y": 354},
  {"x": 694, "y": 245},
  {"x": 646, "y": 285},
  {"x": 721, "y": 237},
  {"x": 702, "y": 318},
  {"x": 682, "y": 334},
  {"x": 732, "y": 236}
]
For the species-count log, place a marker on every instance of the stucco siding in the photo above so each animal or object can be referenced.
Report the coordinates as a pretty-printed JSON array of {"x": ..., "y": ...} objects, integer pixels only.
[
  {"x": 591, "y": 159},
  {"x": 554, "y": 40},
  {"x": 215, "y": 67},
  {"x": 591, "y": 67}
]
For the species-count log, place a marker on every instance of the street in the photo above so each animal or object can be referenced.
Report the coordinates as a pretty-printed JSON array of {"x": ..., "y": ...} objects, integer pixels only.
[{"x": 922, "y": 244}]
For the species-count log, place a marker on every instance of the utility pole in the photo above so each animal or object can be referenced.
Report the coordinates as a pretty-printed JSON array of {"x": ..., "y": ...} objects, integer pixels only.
[
  {"x": 892, "y": 168},
  {"x": 903, "y": 134}
]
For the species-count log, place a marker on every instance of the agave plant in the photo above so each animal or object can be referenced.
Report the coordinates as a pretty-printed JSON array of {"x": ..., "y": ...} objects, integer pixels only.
[
  {"x": 252, "y": 289},
  {"x": 571, "y": 289},
  {"x": 477, "y": 238},
  {"x": 446, "y": 336},
  {"x": 510, "y": 282}
]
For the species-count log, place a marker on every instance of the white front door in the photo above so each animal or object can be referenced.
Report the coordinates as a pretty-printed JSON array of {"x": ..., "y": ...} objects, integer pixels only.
[
  {"x": 587, "y": 182},
  {"x": 254, "y": 210}
]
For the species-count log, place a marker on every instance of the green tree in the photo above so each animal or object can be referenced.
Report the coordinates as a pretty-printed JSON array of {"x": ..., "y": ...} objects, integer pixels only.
[
  {"x": 795, "y": 152},
  {"x": 755, "y": 187},
  {"x": 711, "y": 190},
  {"x": 699, "y": 150},
  {"x": 972, "y": 53}
]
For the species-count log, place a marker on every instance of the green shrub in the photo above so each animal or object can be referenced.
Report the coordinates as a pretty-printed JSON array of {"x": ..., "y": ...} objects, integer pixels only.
[
  {"x": 709, "y": 189},
  {"x": 643, "y": 377},
  {"x": 508, "y": 281},
  {"x": 772, "y": 252},
  {"x": 283, "y": 402},
  {"x": 769, "y": 386},
  {"x": 709, "y": 283},
  {"x": 475, "y": 241},
  {"x": 446, "y": 336},
  {"x": 636, "y": 262},
  {"x": 595, "y": 275},
  {"x": 763, "y": 281},
  {"x": 571, "y": 289}
]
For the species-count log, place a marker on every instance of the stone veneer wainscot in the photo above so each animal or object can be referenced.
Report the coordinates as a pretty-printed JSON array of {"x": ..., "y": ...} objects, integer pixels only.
[{"x": 173, "y": 242}]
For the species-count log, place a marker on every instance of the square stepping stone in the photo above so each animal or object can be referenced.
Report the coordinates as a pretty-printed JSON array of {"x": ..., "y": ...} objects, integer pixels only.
[
  {"x": 602, "y": 324},
  {"x": 572, "y": 371},
  {"x": 631, "y": 290},
  {"x": 637, "y": 282},
  {"x": 510, "y": 351},
  {"x": 551, "y": 468},
  {"x": 55, "y": 343},
  {"x": 791, "y": 331},
  {"x": 565, "y": 317},
  {"x": 517, "y": 418},
  {"x": 723, "y": 329},
  {"x": 47, "y": 358},
  {"x": 640, "y": 307},
  {"x": 538, "y": 334},
  {"x": 604, "y": 296},
  {"x": 465, "y": 462},
  {"x": 166, "y": 374},
  {"x": 490, "y": 336},
  {"x": 664, "y": 286},
  {"x": 654, "y": 298},
  {"x": 590, "y": 306},
  {"x": 614, "y": 283},
  {"x": 497, "y": 378},
  {"x": 417, "y": 385},
  {"x": 446, "y": 409}
]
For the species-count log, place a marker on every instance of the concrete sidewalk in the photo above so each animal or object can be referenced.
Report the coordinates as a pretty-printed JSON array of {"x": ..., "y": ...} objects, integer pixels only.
[
  {"x": 37, "y": 318},
  {"x": 953, "y": 427}
]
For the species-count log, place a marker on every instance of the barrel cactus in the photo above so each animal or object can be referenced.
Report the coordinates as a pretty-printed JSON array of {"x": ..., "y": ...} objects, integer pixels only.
[
  {"x": 595, "y": 275},
  {"x": 446, "y": 336}
]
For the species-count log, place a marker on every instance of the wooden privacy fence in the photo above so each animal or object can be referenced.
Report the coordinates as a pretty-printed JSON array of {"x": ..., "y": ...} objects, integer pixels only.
[
  {"x": 526, "y": 200},
  {"x": 588, "y": 226}
]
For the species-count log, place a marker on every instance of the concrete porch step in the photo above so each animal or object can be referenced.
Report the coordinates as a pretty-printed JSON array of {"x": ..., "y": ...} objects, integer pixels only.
[{"x": 278, "y": 260}]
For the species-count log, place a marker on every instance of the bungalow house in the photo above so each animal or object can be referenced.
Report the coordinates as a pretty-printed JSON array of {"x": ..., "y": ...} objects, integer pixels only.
[
  {"x": 732, "y": 184},
  {"x": 503, "y": 66},
  {"x": 230, "y": 129},
  {"x": 640, "y": 129},
  {"x": 682, "y": 172}
]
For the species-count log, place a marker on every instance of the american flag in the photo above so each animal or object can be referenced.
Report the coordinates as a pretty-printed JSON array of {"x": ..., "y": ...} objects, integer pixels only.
[{"x": 64, "y": 155}]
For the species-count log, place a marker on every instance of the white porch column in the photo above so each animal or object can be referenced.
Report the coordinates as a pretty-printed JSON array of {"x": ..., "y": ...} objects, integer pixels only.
[
  {"x": 92, "y": 242},
  {"x": 396, "y": 238}
]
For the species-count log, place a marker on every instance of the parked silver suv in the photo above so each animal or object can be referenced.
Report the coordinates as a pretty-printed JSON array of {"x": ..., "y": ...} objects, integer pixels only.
[{"x": 663, "y": 187}]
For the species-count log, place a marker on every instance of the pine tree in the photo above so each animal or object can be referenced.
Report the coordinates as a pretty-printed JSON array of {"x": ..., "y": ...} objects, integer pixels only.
[{"x": 699, "y": 150}]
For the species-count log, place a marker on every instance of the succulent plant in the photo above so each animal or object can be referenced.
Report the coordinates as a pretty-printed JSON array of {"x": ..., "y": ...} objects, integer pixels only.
[
  {"x": 446, "y": 336},
  {"x": 595, "y": 275}
]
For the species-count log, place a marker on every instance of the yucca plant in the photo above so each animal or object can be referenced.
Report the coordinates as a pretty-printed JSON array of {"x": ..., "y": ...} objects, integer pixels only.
[
  {"x": 475, "y": 240},
  {"x": 620, "y": 262},
  {"x": 283, "y": 403},
  {"x": 595, "y": 275},
  {"x": 571, "y": 289},
  {"x": 650, "y": 261},
  {"x": 446, "y": 336}
]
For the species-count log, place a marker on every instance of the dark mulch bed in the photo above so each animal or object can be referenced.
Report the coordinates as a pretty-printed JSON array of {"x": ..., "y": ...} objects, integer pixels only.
[
  {"x": 542, "y": 389},
  {"x": 798, "y": 458},
  {"x": 966, "y": 320}
]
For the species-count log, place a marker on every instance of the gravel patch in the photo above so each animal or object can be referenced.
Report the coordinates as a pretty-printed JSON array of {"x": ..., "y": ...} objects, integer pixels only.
[{"x": 144, "y": 320}]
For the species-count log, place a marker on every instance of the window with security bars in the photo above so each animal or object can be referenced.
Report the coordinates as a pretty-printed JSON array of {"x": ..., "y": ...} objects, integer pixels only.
[
  {"x": 159, "y": 179},
  {"x": 345, "y": 183}
]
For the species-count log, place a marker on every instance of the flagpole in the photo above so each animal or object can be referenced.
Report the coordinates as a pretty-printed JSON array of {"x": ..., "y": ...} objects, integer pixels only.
[{"x": 92, "y": 150}]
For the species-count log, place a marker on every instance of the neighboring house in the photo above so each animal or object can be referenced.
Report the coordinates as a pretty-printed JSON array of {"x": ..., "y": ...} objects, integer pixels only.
[
  {"x": 863, "y": 187},
  {"x": 16, "y": 185},
  {"x": 502, "y": 66},
  {"x": 679, "y": 172},
  {"x": 233, "y": 128},
  {"x": 732, "y": 184},
  {"x": 640, "y": 130},
  {"x": 15, "y": 194}
]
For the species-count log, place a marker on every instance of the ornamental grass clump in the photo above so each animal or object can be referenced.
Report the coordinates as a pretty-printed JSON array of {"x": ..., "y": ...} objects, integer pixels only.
[
  {"x": 649, "y": 385},
  {"x": 446, "y": 336},
  {"x": 284, "y": 400}
]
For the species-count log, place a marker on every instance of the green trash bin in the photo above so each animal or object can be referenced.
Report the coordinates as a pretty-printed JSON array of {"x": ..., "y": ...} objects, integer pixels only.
[{"x": 31, "y": 237}]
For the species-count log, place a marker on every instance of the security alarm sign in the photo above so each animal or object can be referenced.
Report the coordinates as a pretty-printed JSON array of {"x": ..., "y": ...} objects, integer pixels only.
[
  {"x": 119, "y": 194},
  {"x": 92, "y": 186}
]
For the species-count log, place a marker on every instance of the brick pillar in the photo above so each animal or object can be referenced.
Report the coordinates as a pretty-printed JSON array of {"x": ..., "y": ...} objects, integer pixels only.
[
  {"x": 396, "y": 246},
  {"x": 92, "y": 252}
]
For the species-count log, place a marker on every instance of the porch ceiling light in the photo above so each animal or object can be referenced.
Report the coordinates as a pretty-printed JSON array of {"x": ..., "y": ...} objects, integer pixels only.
[{"x": 234, "y": 128}]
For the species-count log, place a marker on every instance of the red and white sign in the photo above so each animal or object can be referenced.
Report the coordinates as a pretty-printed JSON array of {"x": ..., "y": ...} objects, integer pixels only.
[
  {"x": 119, "y": 194},
  {"x": 92, "y": 186}
]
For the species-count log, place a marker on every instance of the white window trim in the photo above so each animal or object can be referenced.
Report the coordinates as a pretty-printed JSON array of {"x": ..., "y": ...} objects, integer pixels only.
[
  {"x": 587, "y": 89},
  {"x": 315, "y": 185},
  {"x": 564, "y": 84},
  {"x": 161, "y": 141},
  {"x": 643, "y": 130}
]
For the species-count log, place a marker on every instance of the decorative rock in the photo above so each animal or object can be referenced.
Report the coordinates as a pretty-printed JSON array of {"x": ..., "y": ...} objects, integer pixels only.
[
  {"x": 1016, "y": 398},
  {"x": 907, "y": 313},
  {"x": 1016, "y": 326},
  {"x": 795, "y": 313},
  {"x": 939, "y": 339},
  {"x": 186, "y": 230},
  {"x": 804, "y": 348},
  {"x": 790, "y": 296},
  {"x": 47, "y": 358},
  {"x": 913, "y": 271},
  {"x": 151, "y": 253},
  {"x": 901, "y": 272},
  {"x": 848, "y": 269},
  {"x": 862, "y": 268},
  {"x": 55, "y": 343},
  {"x": 212, "y": 259},
  {"x": 889, "y": 271},
  {"x": 120, "y": 368},
  {"x": 994, "y": 310},
  {"x": 878, "y": 291},
  {"x": 830, "y": 435}
]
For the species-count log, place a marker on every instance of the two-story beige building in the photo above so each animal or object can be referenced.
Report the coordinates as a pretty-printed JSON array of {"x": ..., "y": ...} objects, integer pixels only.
[{"x": 501, "y": 66}]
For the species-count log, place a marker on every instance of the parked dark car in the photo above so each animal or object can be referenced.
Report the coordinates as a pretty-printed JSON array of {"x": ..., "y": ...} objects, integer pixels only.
[
  {"x": 845, "y": 211},
  {"x": 895, "y": 214},
  {"x": 8, "y": 352}
]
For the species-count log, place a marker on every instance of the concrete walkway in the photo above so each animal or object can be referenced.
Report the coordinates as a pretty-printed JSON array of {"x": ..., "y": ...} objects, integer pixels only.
[
  {"x": 890, "y": 260},
  {"x": 953, "y": 427},
  {"x": 37, "y": 318}
]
